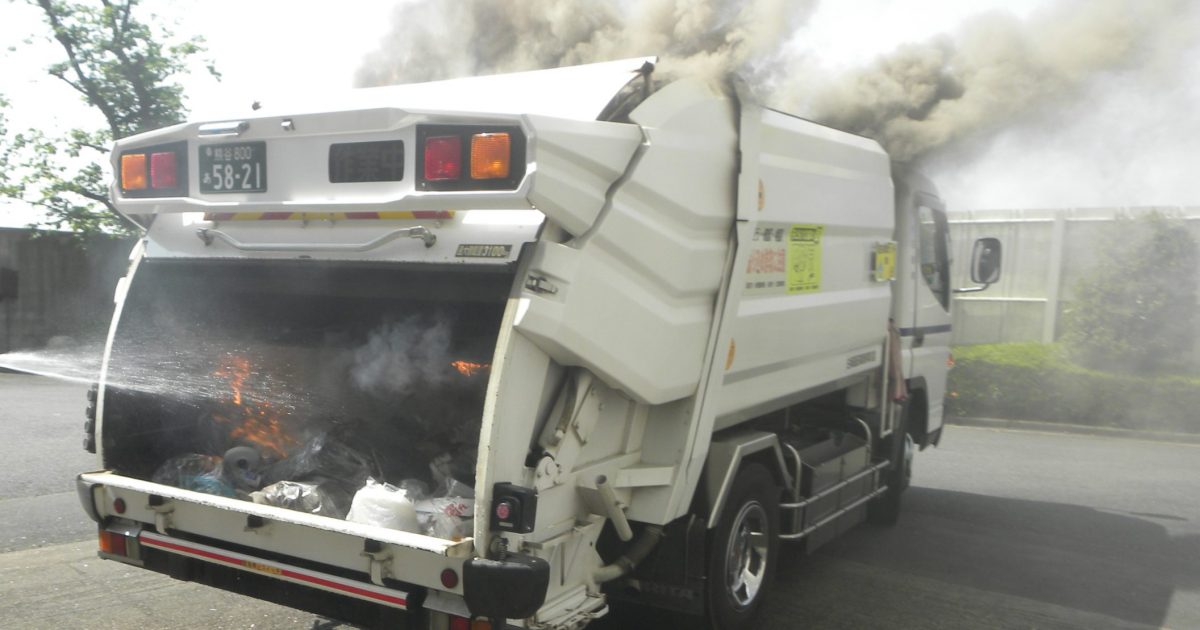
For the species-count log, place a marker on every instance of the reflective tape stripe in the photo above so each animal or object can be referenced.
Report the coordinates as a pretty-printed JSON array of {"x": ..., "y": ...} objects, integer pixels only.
[
  {"x": 327, "y": 216},
  {"x": 286, "y": 572}
]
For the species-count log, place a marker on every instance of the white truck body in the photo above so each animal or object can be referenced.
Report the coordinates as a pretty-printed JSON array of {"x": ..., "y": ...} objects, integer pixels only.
[{"x": 676, "y": 281}]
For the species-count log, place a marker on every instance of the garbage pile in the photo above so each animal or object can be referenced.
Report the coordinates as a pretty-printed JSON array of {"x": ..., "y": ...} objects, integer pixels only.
[{"x": 327, "y": 477}]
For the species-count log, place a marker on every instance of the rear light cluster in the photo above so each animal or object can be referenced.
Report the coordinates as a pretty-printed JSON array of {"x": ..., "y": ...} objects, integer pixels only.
[
  {"x": 458, "y": 157},
  {"x": 159, "y": 171},
  {"x": 119, "y": 541}
]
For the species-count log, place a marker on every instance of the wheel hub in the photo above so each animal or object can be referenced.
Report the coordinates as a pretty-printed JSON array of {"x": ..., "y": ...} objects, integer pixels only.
[{"x": 746, "y": 555}]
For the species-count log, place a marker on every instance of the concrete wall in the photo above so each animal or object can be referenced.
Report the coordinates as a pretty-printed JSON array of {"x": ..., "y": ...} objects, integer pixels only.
[
  {"x": 64, "y": 286},
  {"x": 1046, "y": 253}
]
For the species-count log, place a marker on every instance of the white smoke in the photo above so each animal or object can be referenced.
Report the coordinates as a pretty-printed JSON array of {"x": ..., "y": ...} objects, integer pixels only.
[
  {"x": 400, "y": 356},
  {"x": 442, "y": 40}
]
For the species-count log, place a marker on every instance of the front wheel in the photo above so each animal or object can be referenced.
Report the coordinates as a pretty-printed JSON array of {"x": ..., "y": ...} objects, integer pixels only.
[{"x": 743, "y": 550}]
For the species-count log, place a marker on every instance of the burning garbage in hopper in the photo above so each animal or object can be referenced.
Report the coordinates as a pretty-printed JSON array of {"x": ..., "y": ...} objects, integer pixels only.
[
  {"x": 326, "y": 460},
  {"x": 364, "y": 410}
]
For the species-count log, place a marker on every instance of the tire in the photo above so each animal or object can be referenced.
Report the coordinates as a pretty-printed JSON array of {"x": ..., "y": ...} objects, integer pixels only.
[
  {"x": 884, "y": 510},
  {"x": 743, "y": 550}
]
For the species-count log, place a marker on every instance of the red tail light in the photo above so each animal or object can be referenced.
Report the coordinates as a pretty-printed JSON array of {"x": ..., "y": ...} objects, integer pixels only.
[
  {"x": 112, "y": 543},
  {"x": 443, "y": 158},
  {"x": 163, "y": 170}
]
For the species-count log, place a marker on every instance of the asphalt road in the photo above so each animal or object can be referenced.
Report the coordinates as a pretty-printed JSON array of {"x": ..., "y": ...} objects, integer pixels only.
[{"x": 1001, "y": 529}]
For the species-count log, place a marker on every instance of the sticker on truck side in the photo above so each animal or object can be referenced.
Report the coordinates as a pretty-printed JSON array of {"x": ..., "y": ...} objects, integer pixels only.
[
  {"x": 804, "y": 258},
  {"x": 784, "y": 259}
]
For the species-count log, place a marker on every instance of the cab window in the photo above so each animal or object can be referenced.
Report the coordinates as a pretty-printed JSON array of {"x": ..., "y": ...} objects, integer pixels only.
[{"x": 935, "y": 252}]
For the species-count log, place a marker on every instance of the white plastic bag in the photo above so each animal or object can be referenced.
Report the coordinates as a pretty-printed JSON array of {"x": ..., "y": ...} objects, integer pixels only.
[
  {"x": 448, "y": 518},
  {"x": 383, "y": 505}
]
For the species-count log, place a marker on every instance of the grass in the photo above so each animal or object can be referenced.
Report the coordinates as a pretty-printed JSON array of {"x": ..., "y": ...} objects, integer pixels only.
[{"x": 1033, "y": 381}]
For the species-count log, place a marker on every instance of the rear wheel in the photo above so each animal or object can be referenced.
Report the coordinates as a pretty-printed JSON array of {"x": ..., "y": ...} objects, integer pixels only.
[{"x": 744, "y": 549}]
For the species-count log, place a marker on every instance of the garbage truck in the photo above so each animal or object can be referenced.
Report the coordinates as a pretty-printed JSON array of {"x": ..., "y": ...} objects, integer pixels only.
[{"x": 515, "y": 350}]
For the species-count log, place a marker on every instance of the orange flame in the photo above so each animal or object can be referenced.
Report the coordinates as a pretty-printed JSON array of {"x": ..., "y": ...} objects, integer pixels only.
[
  {"x": 259, "y": 424},
  {"x": 237, "y": 370},
  {"x": 466, "y": 368}
]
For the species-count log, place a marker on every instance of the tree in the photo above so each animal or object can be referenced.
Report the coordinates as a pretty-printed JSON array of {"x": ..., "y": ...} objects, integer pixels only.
[
  {"x": 1135, "y": 311},
  {"x": 123, "y": 70}
]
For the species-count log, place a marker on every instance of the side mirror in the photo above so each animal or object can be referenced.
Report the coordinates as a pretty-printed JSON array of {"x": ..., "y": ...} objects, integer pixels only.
[{"x": 985, "y": 264}]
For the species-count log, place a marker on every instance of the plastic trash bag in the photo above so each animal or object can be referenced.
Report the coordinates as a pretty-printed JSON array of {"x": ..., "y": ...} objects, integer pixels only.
[
  {"x": 415, "y": 489},
  {"x": 383, "y": 505},
  {"x": 299, "y": 496},
  {"x": 202, "y": 473},
  {"x": 450, "y": 487},
  {"x": 323, "y": 456},
  {"x": 449, "y": 518},
  {"x": 445, "y": 485}
]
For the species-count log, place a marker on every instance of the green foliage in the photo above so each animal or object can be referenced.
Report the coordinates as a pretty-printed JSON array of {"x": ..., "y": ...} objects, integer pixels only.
[
  {"x": 1032, "y": 381},
  {"x": 122, "y": 68},
  {"x": 1135, "y": 312}
]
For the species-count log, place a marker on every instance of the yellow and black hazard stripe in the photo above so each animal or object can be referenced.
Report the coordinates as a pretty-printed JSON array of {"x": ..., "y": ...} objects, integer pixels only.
[{"x": 428, "y": 215}]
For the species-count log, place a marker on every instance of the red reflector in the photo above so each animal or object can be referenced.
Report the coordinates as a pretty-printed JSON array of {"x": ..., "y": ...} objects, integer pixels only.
[
  {"x": 162, "y": 170},
  {"x": 112, "y": 543},
  {"x": 462, "y": 623},
  {"x": 443, "y": 158},
  {"x": 119, "y": 506},
  {"x": 449, "y": 578}
]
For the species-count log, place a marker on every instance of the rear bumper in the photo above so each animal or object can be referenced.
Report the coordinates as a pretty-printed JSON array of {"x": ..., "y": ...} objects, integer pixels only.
[
  {"x": 338, "y": 592},
  {"x": 286, "y": 572},
  {"x": 379, "y": 565},
  {"x": 84, "y": 488}
]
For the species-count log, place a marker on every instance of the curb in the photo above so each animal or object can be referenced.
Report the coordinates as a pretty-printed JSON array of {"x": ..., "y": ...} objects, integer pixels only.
[{"x": 1074, "y": 429}]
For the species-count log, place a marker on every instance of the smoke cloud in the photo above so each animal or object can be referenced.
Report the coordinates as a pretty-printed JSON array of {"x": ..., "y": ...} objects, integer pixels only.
[
  {"x": 400, "y": 356},
  {"x": 996, "y": 90},
  {"x": 998, "y": 70},
  {"x": 709, "y": 38}
]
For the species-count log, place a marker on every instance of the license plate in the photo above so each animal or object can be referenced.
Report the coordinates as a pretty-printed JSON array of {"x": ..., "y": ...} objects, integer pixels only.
[{"x": 239, "y": 167}]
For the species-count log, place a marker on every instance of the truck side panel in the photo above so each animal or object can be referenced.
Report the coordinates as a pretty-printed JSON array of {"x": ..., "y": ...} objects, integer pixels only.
[{"x": 809, "y": 310}]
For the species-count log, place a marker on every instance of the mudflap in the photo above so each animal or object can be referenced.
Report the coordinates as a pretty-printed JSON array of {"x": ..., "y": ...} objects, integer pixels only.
[{"x": 672, "y": 576}]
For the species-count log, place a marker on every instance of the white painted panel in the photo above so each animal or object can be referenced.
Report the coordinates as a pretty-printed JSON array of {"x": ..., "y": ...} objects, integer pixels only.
[
  {"x": 788, "y": 336},
  {"x": 635, "y": 295}
]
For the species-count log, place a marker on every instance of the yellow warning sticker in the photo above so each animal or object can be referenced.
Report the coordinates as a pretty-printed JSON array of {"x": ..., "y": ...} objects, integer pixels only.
[
  {"x": 883, "y": 263},
  {"x": 804, "y": 258}
]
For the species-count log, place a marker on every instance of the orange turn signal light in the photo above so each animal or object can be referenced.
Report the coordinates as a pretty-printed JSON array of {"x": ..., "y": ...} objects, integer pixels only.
[
  {"x": 490, "y": 155},
  {"x": 133, "y": 171}
]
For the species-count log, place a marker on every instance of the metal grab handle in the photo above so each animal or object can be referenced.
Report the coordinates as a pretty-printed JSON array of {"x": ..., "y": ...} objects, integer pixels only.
[{"x": 208, "y": 235}]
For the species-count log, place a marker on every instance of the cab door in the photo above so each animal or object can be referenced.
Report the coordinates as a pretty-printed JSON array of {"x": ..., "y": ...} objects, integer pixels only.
[{"x": 929, "y": 334}]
